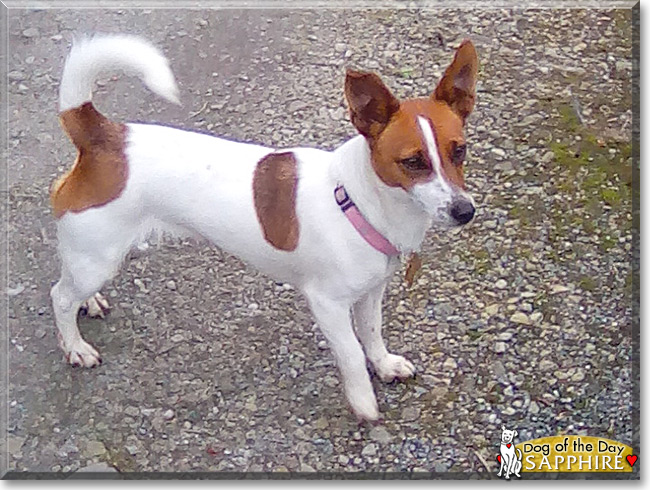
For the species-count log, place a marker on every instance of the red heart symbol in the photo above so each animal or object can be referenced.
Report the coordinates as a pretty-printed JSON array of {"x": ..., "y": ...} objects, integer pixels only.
[
  {"x": 508, "y": 445},
  {"x": 499, "y": 458},
  {"x": 631, "y": 459}
]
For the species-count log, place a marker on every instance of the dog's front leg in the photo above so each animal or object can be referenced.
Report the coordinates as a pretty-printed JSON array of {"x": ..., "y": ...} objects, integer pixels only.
[
  {"x": 334, "y": 320},
  {"x": 368, "y": 322}
]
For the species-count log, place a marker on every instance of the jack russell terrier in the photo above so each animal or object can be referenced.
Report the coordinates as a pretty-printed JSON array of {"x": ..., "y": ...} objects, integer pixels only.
[{"x": 333, "y": 224}]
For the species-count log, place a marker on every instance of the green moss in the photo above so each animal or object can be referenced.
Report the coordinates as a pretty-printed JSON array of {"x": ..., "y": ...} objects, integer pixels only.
[
  {"x": 611, "y": 196},
  {"x": 587, "y": 283}
]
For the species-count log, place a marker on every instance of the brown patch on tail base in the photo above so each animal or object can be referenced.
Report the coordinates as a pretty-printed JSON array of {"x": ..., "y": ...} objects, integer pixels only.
[
  {"x": 274, "y": 192},
  {"x": 100, "y": 171}
]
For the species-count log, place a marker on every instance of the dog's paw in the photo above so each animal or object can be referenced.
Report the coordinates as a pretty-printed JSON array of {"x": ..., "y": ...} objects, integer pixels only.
[
  {"x": 96, "y": 306},
  {"x": 365, "y": 408},
  {"x": 82, "y": 354},
  {"x": 393, "y": 366}
]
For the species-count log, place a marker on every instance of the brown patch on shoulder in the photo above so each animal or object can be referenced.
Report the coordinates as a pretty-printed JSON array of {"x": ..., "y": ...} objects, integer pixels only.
[
  {"x": 275, "y": 183},
  {"x": 100, "y": 171}
]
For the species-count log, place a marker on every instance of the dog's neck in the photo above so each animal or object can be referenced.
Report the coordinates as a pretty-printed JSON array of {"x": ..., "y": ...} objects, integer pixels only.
[{"x": 390, "y": 210}]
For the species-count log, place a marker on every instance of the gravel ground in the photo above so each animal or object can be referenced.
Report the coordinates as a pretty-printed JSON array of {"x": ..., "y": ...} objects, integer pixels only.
[{"x": 522, "y": 318}]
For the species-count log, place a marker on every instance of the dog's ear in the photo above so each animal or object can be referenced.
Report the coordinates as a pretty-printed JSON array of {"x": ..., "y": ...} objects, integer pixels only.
[
  {"x": 503, "y": 427},
  {"x": 371, "y": 102},
  {"x": 458, "y": 85},
  {"x": 514, "y": 433}
]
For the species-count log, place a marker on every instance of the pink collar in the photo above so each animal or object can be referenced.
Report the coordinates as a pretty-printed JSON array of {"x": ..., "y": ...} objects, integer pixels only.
[{"x": 365, "y": 229}]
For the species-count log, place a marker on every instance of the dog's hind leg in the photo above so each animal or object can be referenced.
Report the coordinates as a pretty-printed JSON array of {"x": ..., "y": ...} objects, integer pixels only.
[
  {"x": 368, "y": 322},
  {"x": 89, "y": 258}
]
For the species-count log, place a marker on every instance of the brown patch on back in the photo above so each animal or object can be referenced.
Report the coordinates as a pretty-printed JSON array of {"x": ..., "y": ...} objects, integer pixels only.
[
  {"x": 275, "y": 183},
  {"x": 100, "y": 171}
]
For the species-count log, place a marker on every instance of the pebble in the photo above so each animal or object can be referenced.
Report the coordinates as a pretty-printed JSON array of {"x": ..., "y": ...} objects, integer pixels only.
[
  {"x": 380, "y": 434},
  {"x": 31, "y": 32},
  {"x": 168, "y": 414},
  {"x": 492, "y": 310},
  {"x": 369, "y": 450},
  {"x": 501, "y": 284},
  {"x": 521, "y": 318},
  {"x": 95, "y": 448},
  {"x": 450, "y": 364},
  {"x": 410, "y": 413},
  {"x": 500, "y": 347}
]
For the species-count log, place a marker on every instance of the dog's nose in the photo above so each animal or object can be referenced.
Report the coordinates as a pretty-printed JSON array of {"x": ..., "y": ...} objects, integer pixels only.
[{"x": 462, "y": 211}]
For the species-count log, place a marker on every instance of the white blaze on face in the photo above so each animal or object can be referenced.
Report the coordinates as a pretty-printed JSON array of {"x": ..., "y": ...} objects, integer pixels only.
[
  {"x": 432, "y": 150},
  {"x": 436, "y": 195}
]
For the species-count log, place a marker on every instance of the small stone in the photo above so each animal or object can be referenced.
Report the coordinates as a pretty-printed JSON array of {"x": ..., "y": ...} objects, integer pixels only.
[
  {"x": 578, "y": 376},
  {"x": 501, "y": 284},
  {"x": 15, "y": 291},
  {"x": 132, "y": 449},
  {"x": 95, "y": 448},
  {"x": 381, "y": 435},
  {"x": 410, "y": 414},
  {"x": 14, "y": 444},
  {"x": 490, "y": 224},
  {"x": 546, "y": 365},
  {"x": 140, "y": 284},
  {"x": 500, "y": 347},
  {"x": 498, "y": 152},
  {"x": 536, "y": 316},
  {"x": 132, "y": 411},
  {"x": 31, "y": 32},
  {"x": 533, "y": 408},
  {"x": 171, "y": 284},
  {"x": 169, "y": 414},
  {"x": 520, "y": 318},
  {"x": 322, "y": 345},
  {"x": 505, "y": 336},
  {"x": 340, "y": 47},
  {"x": 100, "y": 467},
  {"x": 492, "y": 309},
  {"x": 16, "y": 76},
  {"x": 558, "y": 289},
  {"x": 450, "y": 364},
  {"x": 369, "y": 450}
]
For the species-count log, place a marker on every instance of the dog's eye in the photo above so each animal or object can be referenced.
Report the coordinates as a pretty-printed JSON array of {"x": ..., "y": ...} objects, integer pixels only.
[
  {"x": 458, "y": 154},
  {"x": 415, "y": 163}
]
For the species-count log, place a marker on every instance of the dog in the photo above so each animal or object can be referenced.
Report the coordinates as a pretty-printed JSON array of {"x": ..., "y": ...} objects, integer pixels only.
[
  {"x": 333, "y": 224},
  {"x": 510, "y": 462}
]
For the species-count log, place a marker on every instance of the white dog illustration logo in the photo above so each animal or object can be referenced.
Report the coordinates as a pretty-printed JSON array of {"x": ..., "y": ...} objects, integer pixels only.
[{"x": 508, "y": 458}]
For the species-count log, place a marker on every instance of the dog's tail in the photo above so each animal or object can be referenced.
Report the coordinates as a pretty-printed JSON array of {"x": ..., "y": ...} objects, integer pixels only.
[{"x": 90, "y": 57}]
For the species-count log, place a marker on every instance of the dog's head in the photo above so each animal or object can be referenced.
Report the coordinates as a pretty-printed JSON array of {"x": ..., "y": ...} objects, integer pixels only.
[
  {"x": 419, "y": 145},
  {"x": 507, "y": 435}
]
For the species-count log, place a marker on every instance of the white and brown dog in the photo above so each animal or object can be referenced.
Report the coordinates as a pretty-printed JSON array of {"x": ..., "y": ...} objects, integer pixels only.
[{"x": 333, "y": 224}]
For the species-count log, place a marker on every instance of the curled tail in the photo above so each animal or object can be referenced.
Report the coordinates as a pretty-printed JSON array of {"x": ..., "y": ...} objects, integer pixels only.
[
  {"x": 101, "y": 170},
  {"x": 89, "y": 57}
]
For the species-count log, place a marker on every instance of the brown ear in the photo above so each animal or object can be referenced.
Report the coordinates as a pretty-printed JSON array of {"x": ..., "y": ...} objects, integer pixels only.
[
  {"x": 458, "y": 85},
  {"x": 371, "y": 103}
]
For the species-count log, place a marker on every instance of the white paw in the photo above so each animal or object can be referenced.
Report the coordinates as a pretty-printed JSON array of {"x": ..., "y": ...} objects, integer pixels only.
[
  {"x": 82, "y": 354},
  {"x": 393, "y": 366},
  {"x": 96, "y": 306},
  {"x": 365, "y": 408}
]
